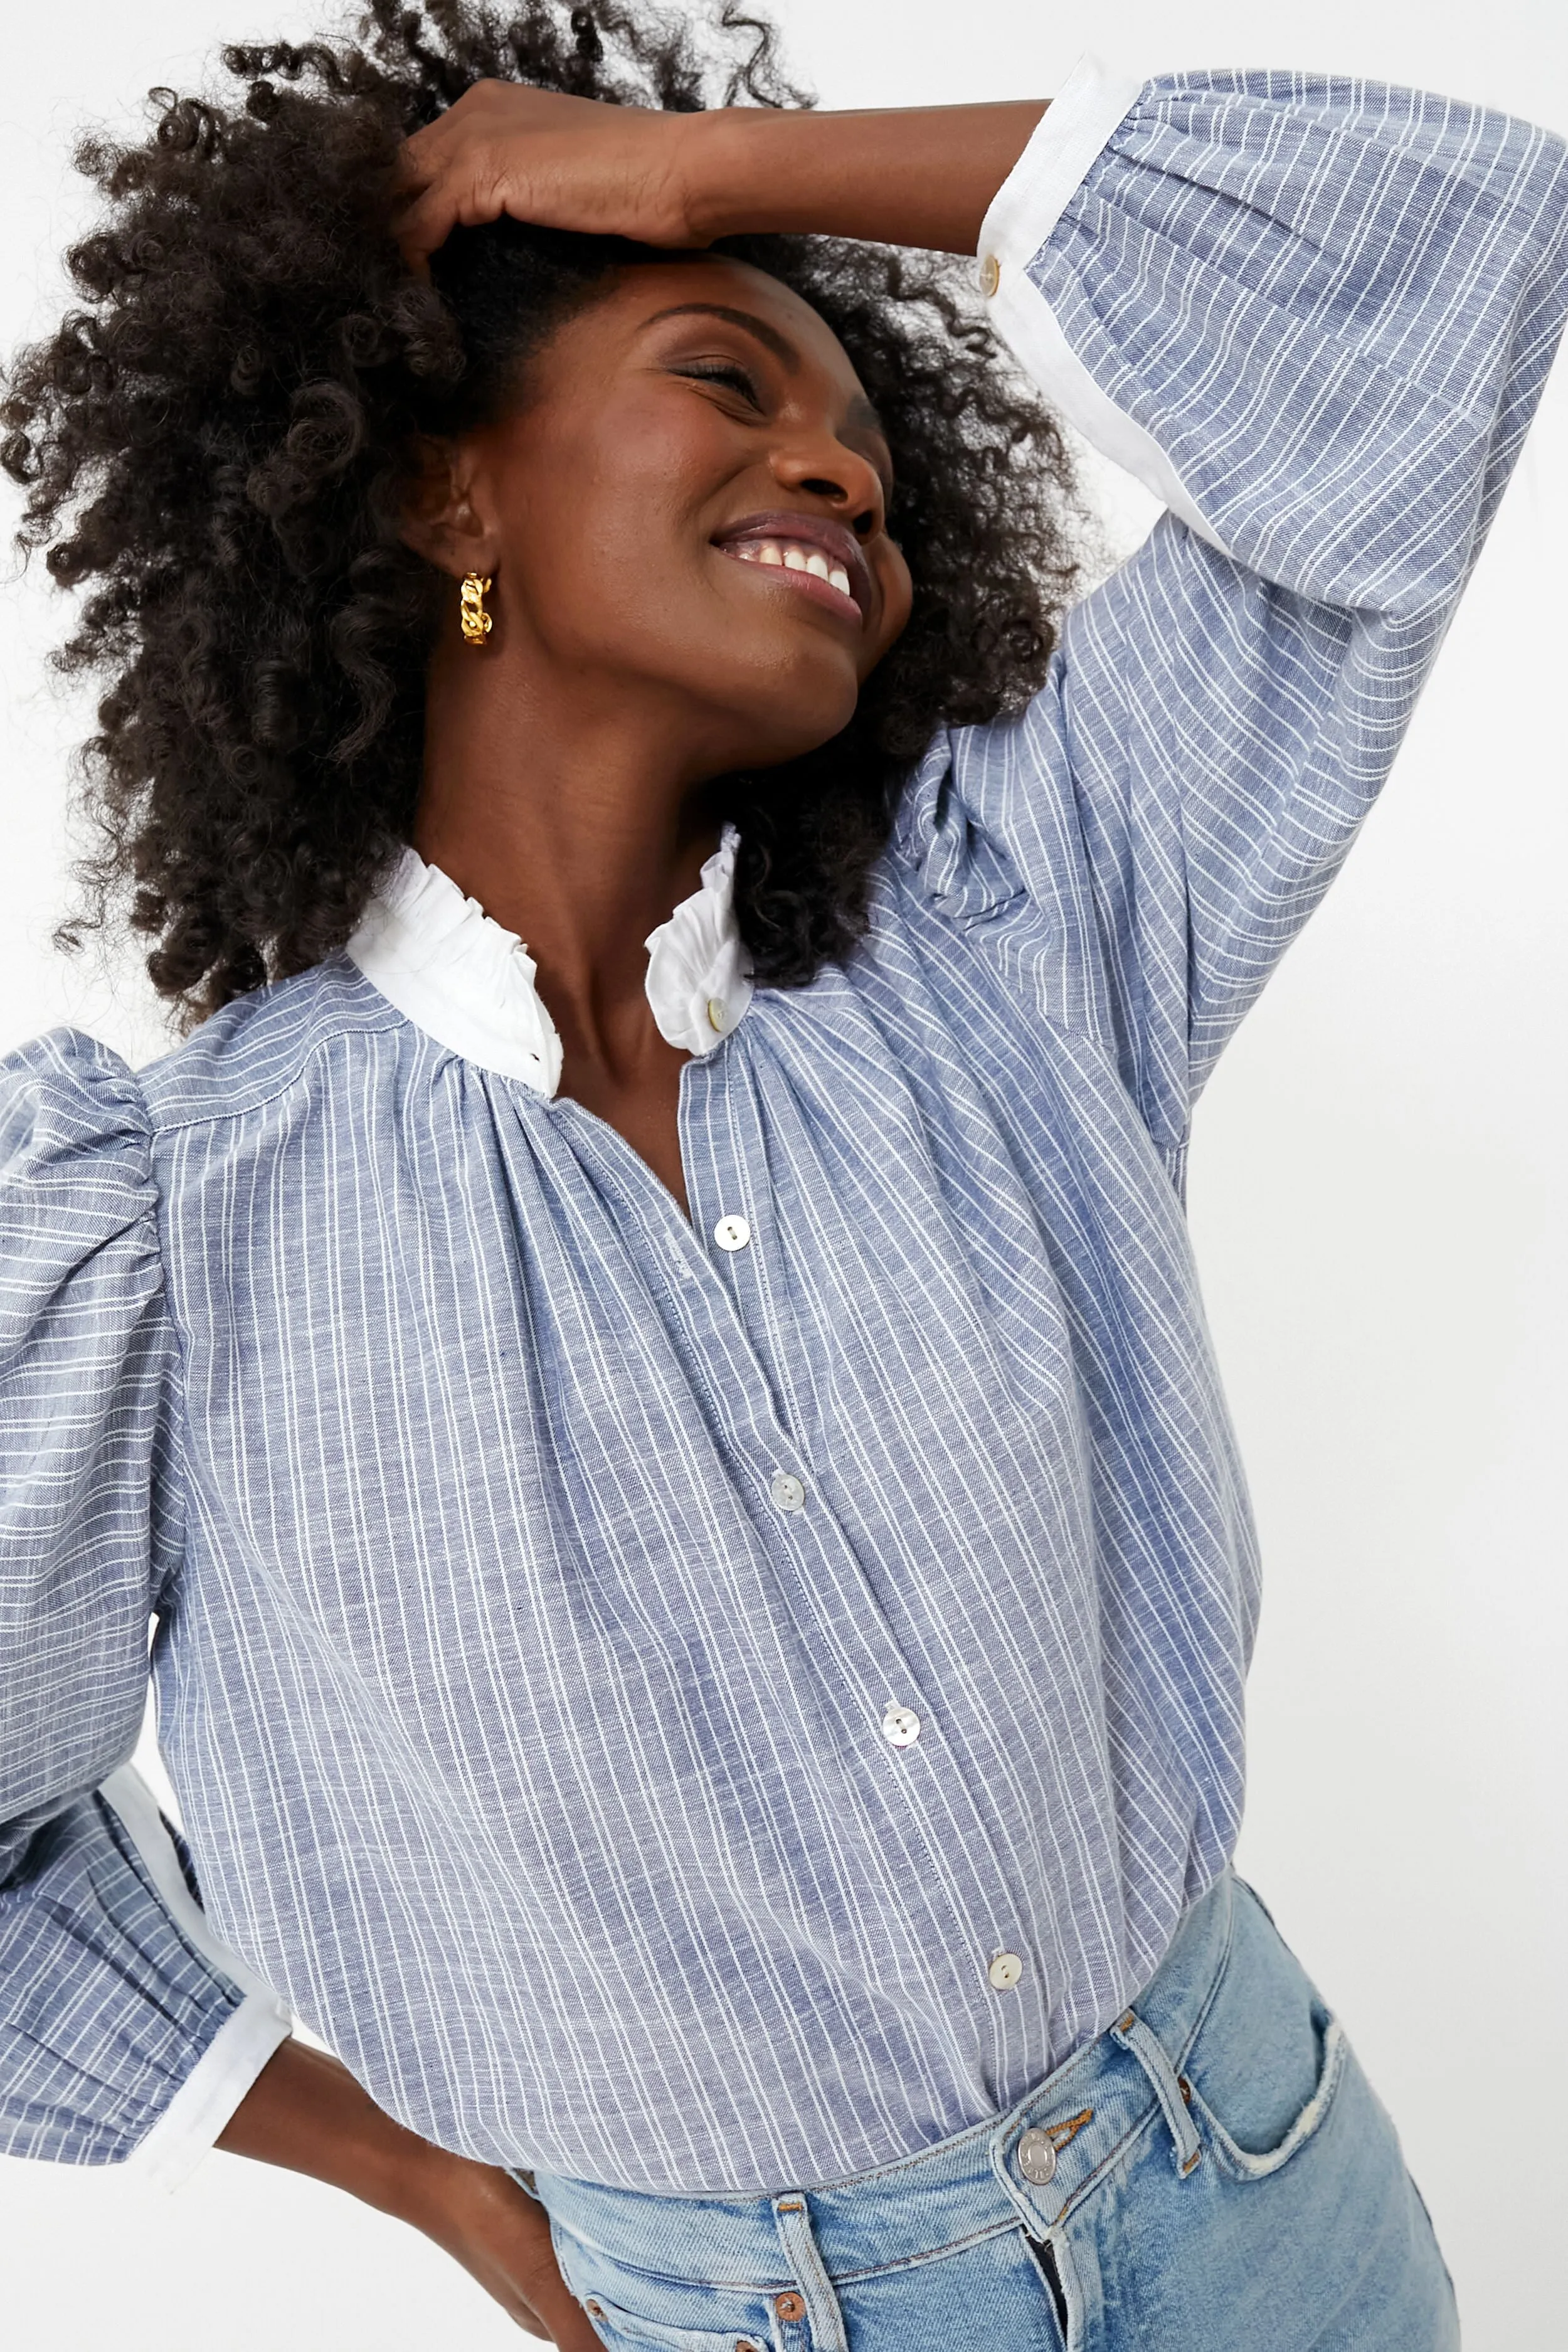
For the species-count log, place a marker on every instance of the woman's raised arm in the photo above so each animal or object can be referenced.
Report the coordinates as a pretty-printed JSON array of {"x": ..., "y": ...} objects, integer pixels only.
[{"x": 920, "y": 175}]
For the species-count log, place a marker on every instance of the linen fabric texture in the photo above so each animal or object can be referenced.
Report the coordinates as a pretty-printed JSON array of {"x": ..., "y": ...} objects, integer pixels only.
[{"x": 528, "y": 1746}]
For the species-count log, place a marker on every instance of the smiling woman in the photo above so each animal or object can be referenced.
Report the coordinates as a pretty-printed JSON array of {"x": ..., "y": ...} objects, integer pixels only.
[
  {"x": 652, "y": 1378},
  {"x": 692, "y": 420},
  {"x": 233, "y": 419}
]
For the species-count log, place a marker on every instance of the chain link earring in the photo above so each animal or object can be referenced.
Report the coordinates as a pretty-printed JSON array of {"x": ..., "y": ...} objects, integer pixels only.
[{"x": 477, "y": 623}]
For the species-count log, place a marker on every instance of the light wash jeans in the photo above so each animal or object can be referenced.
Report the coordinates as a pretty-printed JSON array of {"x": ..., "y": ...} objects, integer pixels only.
[{"x": 1213, "y": 2174}]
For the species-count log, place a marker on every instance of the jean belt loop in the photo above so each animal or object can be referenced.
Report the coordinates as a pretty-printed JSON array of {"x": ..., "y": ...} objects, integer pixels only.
[
  {"x": 813, "y": 2286},
  {"x": 1135, "y": 2038}
]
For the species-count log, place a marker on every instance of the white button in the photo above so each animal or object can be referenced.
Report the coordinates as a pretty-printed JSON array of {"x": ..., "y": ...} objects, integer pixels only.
[
  {"x": 732, "y": 1232},
  {"x": 787, "y": 1492},
  {"x": 1006, "y": 1970},
  {"x": 901, "y": 1726},
  {"x": 1037, "y": 2157},
  {"x": 990, "y": 275},
  {"x": 718, "y": 1015}
]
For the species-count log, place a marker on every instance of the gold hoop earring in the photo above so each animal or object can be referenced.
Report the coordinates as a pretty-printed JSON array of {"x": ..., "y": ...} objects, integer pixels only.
[{"x": 477, "y": 623}]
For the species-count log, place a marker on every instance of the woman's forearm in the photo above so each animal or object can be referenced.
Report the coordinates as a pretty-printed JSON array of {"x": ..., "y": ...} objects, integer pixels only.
[
  {"x": 923, "y": 175},
  {"x": 918, "y": 176},
  {"x": 306, "y": 2112}
]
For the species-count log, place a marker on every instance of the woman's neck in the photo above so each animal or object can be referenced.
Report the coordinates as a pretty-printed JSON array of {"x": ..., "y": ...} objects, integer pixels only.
[{"x": 574, "y": 822}]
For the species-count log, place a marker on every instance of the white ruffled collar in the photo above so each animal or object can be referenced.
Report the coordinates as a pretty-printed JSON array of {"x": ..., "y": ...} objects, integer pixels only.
[{"x": 469, "y": 984}]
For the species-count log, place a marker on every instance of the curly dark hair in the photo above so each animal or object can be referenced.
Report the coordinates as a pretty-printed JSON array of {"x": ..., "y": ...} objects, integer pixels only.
[{"x": 215, "y": 445}]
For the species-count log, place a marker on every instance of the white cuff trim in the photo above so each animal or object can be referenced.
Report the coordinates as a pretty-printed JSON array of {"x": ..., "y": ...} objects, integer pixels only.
[
  {"x": 1069, "y": 135},
  {"x": 210, "y": 2093},
  {"x": 1072, "y": 132},
  {"x": 231, "y": 2062}
]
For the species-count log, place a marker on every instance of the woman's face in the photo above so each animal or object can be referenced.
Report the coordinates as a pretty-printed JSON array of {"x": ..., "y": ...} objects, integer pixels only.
[{"x": 691, "y": 502}]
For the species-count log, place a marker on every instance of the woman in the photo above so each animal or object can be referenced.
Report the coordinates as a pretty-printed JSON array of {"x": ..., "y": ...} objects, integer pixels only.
[{"x": 701, "y": 1581}]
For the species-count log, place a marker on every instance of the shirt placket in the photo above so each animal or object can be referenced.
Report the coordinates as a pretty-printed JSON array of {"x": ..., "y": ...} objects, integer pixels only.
[{"x": 738, "y": 1305}]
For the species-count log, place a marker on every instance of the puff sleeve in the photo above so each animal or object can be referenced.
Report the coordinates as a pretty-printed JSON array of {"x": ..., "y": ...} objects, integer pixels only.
[
  {"x": 1314, "y": 315},
  {"x": 123, "y": 2025}
]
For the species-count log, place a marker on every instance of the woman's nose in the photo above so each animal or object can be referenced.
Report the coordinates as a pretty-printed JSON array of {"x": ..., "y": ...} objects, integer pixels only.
[{"x": 821, "y": 463}]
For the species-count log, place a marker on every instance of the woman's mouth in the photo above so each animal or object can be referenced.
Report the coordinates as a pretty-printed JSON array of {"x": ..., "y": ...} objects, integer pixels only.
[
  {"x": 819, "y": 559},
  {"x": 794, "y": 558}
]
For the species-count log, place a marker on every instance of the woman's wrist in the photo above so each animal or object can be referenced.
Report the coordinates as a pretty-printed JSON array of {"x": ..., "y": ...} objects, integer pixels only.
[
  {"x": 433, "y": 2190},
  {"x": 307, "y": 2113},
  {"x": 918, "y": 177}
]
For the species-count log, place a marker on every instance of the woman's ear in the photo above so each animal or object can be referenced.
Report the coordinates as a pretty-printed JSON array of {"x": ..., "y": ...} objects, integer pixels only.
[{"x": 442, "y": 520}]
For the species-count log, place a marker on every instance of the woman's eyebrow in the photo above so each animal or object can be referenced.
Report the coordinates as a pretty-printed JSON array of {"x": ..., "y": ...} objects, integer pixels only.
[{"x": 783, "y": 349}]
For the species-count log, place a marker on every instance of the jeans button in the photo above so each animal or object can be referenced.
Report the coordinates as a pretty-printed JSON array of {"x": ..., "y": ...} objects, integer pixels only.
[{"x": 1036, "y": 2158}]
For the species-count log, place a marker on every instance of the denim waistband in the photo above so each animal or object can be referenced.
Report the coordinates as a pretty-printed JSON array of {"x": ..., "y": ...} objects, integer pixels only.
[{"x": 1031, "y": 2165}]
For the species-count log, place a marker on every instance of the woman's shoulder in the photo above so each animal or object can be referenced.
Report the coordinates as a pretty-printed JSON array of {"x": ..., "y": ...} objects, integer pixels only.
[
  {"x": 261, "y": 1044},
  {"x": 79, "y": 1201},
  {"x": 67, "y": 1097}
]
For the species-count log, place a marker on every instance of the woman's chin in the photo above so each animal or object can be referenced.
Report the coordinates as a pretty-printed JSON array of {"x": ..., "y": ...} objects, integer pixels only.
[
  {"x": 776, "y": 747},
  {"x": 795, "y": 705}
]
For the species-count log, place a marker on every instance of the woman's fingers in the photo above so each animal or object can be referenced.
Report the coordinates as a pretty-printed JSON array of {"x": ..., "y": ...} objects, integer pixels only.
[
  {"x": 422, "y": 221},
  {"x": 500, "y": 2234},
  {"x": 560, "y": 162}
]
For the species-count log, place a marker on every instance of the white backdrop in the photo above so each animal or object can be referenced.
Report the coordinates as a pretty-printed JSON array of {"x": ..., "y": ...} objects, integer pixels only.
[{"x": 1377, "y": 1199}]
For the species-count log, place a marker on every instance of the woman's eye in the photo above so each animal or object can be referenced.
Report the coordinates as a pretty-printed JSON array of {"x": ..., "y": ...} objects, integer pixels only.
[{"x": 722, "y": 372}]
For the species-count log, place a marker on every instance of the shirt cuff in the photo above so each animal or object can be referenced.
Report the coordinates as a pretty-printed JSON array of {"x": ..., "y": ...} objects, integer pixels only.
[
  {"x": 1072, "y": 133},
  {"x": 209, "y": 2095},
  {"x": 214, "y": 2088}
]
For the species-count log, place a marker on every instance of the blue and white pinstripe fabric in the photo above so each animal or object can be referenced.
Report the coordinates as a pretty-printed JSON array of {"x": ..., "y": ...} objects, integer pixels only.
[{"x": 526, "y": 1744}]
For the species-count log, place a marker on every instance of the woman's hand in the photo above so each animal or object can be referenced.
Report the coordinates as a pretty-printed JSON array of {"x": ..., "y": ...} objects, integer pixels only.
[
  {"x": 501, "y": 2235},
  {"x": 922, "y": 175},
  {"x": 560, "y": 162},
  {"x": 307, "y": 2112}
]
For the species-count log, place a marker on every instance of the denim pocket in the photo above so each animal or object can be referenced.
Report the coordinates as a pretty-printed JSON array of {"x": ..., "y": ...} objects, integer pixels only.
[
  {"x": 1269, "y": 2057},
  {"x": 1258, "y": 2163},
  {"x": 623, "y": 2327},
  {"x": 747, "y": 2329}
]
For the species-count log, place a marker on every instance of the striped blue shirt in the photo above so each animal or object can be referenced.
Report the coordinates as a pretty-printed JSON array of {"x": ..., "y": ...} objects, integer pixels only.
[{"x": 544, "y": 1590}]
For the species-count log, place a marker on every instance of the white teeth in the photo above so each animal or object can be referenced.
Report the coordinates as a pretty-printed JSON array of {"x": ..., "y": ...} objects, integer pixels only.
[{"x": 792, "y": 557}]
